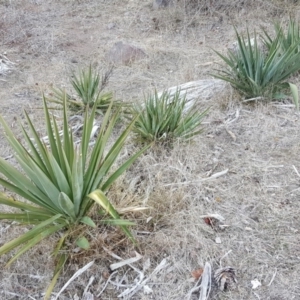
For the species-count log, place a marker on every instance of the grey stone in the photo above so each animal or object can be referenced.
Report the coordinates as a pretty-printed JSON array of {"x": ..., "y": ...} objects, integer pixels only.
[
  {"x": 110, "y": 26},
  {"x": 161, "y": 3},
  {"x": 124, "y": 54}
]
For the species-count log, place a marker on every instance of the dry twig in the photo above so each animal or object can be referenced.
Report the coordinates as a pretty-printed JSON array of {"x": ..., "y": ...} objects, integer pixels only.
[
  {"x": 205, "y": 285},
  {"x": 206, "y": 282},
  {"x": 78, "y": 273}
]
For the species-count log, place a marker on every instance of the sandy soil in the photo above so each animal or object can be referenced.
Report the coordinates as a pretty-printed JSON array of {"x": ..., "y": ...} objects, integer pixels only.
[{"x": 257, "y": 144}]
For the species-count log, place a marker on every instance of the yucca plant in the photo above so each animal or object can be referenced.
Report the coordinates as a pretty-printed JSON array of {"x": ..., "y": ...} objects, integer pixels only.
[
  {"x": 285, "y": 40},
  {"x": 88, "y": 86},
  {"x": 165, "y": 117},
  {"x": 260, "y": 74},
  {"x": 61, "y": 181}
]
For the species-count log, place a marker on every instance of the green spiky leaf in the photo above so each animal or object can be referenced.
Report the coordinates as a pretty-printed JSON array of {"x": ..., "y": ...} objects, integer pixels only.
[
  {"x": 83, "y": 243},
  {"x": 258, "y": 73},
  {"x": 166, "y": 117},
  {"x": 88, "y": 221}
]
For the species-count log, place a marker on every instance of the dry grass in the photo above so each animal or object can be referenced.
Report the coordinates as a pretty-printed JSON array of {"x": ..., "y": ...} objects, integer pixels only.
[{"x": 258, "y": 196}]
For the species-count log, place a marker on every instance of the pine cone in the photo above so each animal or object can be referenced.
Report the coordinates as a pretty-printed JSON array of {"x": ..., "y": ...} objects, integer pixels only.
[{"x": 225, "y": 278}]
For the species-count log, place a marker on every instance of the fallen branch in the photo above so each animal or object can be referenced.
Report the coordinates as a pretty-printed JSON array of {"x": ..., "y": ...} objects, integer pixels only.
[
  {"x": 132, "y": 291},
  {"x": 214, "y": 176},
  {"x": 273, "y": 277},
  {"x": 5, "y": 65},
  {"x": 205, "y": 285},
  {"x": 206, "y": 282},
  {"x": 126, "y": 262},
  {"x": 106, "y": 283}
]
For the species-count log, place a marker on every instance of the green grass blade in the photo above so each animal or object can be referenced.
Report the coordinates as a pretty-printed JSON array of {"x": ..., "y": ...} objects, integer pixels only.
[
  {"x": 67, "y": 205},
  {"x": 68, "y": 144},
  {"x": 30, "y": 234},
  {"x": 61, "y": 181},
  {"x": 83, "y": 243},
  {"x": 21, "y": 185},
  {"x": 77, "y": 182},
  {"x": 31, "y": 193},
  {"x": 119, "y": 222},
  {"x": 44, "y": 183},
  {"x": 14, "y": 176},
  {"x": 88, "y": 221},
  {"x": 295, "y": 94},
  {"x": 98, "y": 151},
  {"x": 61, "y": 157},
  {"x": 59, "y": 267},
  {"x": 99, "y": 197},
  {"x": 110, "y": 158},
  {"x": 14, "y": 143},
  {"x": 86, "y": 133},
  {"x": 36, "y": 156},
  {"x": 50, "y": 131},
  {"x": 38, "y": 238},
  {"x": 5, "y": 200},
  {"x": 39, "y": 144},
  {"x": 122, "y": 169},
  {"x": 28, "y": 217}
]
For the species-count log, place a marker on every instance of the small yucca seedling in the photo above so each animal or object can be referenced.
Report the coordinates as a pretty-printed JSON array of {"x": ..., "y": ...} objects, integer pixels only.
[
  {"x": 164, "y": 118},
  {"x": 260, "y": 74},
  {"x": 88, "y": 87},
  {"x": 61, "y": 182}
]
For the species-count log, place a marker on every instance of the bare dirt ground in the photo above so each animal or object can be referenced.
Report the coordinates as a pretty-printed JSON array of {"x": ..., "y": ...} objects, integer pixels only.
[{"x": 258, "y": 144}]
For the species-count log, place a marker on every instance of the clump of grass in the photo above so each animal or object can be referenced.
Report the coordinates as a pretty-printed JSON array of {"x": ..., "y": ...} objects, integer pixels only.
[
  {"x": 61, "y": 182},
  {"x": 258, "y": 73},
  {"x": 165, "y": 118},
  {"x": 88, "y": 86}
]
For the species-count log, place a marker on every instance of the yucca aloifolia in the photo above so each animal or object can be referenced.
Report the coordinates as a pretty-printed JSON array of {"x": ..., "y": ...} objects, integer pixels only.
[
  {"x": 166, "y": 117},
  {"x": 62, "y": 181},
  {"x": 88, "y": 86},
  {"x": 261, "y": 73}
]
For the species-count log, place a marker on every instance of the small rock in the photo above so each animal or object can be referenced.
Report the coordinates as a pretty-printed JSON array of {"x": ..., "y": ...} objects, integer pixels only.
[
  {"x": 30, "y": 80},
  {"x": 124, "y": 54},
  {"x": 147, "y": 290},
  {"x": 88, "y": 296},
  {"x": 74, "y": 61},
  {"x": 161, "y": 3},
  {"x": 255, "y": 283},
  {"x": 235, "y": 45},
  {"x": 218, "y": 240},
  {"x": 110, "y": 26}
]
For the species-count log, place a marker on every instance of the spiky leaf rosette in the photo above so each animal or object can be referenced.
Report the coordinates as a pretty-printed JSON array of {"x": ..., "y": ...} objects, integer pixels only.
[
  {"x": 165, "y": 117},
  {"x": 61, "y": 180},
  {"x": 260, "y": 74}
]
